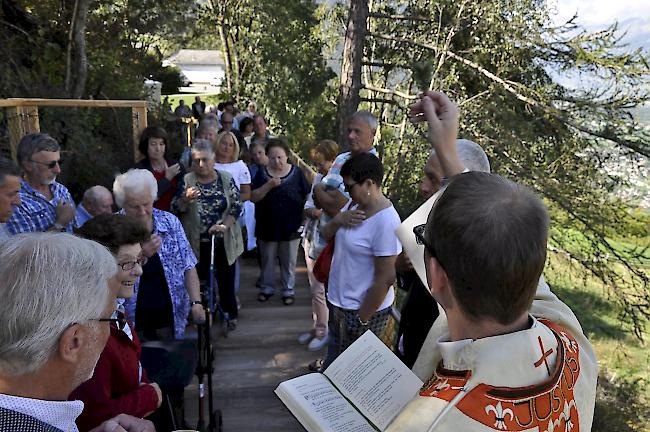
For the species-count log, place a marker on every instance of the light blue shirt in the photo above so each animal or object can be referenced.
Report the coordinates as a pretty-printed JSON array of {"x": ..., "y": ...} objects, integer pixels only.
[{"x": 82, "y": 216}]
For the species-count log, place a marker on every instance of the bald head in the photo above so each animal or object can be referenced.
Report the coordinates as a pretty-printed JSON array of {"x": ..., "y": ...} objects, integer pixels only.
[
  {"x": 469, "y": 153},
  {"x": 98, "y": 200}
]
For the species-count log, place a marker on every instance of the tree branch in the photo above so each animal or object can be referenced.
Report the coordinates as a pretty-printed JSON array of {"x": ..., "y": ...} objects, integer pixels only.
[
  {"x": 400, "y": 17},
  {"x": 406, "y": 96},
  {"x": 553, "y": 112}
]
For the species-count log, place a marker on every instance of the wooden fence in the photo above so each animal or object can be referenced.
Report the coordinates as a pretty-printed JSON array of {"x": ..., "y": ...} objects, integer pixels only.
[{"x": 22, "y": 116}]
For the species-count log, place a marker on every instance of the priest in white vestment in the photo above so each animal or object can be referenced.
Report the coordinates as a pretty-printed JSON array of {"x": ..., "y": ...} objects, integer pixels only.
[{"x": 505, "y": 354}]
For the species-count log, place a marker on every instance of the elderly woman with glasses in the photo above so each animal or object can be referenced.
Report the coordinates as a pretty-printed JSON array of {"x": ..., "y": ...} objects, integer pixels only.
[
  {"x": 208, "y": 203},
  {"x": 119, "y": 383},
  {"x": 360, "y": 287},
  {"x": 168, "y": 289}
]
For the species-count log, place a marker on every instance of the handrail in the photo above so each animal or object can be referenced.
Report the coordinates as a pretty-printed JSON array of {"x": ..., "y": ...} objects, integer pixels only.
[{"x": 80, "y": 103}]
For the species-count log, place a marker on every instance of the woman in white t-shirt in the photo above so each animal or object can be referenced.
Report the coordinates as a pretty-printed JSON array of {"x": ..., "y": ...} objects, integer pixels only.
[
  {"x": 226, "y": 150},
  {"x": 360, "y": 291}
]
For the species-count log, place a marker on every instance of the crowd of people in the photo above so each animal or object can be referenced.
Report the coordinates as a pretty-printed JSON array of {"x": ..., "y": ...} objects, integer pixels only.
[{"x": 479, "y": 326}]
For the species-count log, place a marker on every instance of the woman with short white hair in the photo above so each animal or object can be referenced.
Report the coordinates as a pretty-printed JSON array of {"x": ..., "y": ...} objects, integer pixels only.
[{"x": 169, "y": 286}]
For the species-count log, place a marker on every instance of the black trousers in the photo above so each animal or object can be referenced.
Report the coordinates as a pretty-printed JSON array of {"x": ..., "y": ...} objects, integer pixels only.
[{"x": 225, "y": 275}]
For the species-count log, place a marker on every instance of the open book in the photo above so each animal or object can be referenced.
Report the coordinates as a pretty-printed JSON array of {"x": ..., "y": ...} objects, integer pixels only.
[{"x": 363, "y": 390}]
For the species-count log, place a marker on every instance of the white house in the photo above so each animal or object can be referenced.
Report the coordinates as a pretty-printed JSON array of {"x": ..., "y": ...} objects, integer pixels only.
[{"x": 204, "y": 69}]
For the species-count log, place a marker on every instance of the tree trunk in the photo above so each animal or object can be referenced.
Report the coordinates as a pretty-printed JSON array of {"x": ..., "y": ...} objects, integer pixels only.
[
  {"x": 351, "y": 67},
  {"x": 76, "y": 59},
  {"x": 225, "y": 50}
]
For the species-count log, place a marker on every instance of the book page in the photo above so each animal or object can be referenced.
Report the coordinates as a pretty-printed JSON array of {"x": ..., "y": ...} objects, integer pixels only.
[
  {"x": 404, "y": 232},
  {"x": 319, "y": 407},
  {"x": 373, "y": 379}
]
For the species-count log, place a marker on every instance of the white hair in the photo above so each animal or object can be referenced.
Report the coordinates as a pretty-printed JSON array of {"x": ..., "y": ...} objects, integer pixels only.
[
  {"x": 367, "y": 117},
  {"x": 471, "y": 155},
  {"x": 49, "y": 281},
  {"x": 94, "y": 194},
  {"x": 134, "y": 181}
]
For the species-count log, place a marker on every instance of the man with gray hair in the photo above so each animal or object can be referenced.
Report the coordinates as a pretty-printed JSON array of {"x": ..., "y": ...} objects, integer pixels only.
[
  {"x": 96, "y": 200},
  {"x": 54, "y": 327},
  {"x": 330, "y": 195},
  {"x": 361, "y": 129},
  {"x": 420, "y": 310},
  {"x": 9, "y": 193},
  {"x": 46, "y": 205}
]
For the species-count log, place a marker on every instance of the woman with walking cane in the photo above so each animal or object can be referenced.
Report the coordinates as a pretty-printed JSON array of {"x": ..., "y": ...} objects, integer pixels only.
[{"x": 208, "y": 203}]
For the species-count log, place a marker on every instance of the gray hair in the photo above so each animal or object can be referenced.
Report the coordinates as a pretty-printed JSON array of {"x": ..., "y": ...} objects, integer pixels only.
[
  {"x": 50, "y": 281},
  {"x": 134, "y": 181},
  {"x": 94, "y": 194},
  {"x": 202, "y": 145},
  {"x": 367, "y": 117},
  {"x": 33, "y": 143},
  {"x": 471, "y": 155}
]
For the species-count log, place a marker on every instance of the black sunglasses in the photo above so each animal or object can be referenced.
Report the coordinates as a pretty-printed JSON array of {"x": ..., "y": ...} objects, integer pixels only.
[
  {"x": 50, "y": 165},
  {"x": 420, "y": 239}
]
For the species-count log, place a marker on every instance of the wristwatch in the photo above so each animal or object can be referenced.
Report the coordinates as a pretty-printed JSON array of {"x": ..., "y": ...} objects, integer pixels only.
[{"x": 195, "y": 302}]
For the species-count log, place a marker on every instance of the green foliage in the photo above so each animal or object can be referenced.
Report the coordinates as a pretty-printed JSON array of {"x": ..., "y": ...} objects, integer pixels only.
[
  {"x": 500, "y": 62},
  {"x": 125, "y": 41},
  {"x": 275, "y": 48}
]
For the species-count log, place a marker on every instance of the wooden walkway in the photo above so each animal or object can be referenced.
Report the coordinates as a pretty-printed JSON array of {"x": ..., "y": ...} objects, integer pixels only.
[{"x": 256, "y": 357}]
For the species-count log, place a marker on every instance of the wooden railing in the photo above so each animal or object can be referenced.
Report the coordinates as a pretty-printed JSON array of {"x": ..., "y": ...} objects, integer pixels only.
[{"x": 23, "y": 116}]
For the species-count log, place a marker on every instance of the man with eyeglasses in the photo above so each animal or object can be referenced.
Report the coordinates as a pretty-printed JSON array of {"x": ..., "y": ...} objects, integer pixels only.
[
  {"x": 55, "y": 324},
  {"x": 506, "y": 354},
  {"x": 46, "y": 205},
  {"x": 419, "y": 309}
]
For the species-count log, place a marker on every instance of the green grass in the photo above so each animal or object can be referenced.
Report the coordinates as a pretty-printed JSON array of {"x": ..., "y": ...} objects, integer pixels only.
[{"x": 623, "y": 401}]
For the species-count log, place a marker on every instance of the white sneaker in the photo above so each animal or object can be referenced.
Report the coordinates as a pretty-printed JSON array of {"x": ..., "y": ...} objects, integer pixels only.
[
  {"x": 318, "y": 344},
  {"x": 305, "y": 338}
]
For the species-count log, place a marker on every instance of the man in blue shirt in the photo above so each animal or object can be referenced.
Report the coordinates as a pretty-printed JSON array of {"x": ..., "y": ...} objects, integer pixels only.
[
  {"x": 96, "y": 200},
  {"x": 45, "y": 204}
]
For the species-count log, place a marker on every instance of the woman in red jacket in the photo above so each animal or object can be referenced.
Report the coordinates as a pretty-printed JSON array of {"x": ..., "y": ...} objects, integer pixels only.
[{"x": 119, "y": 383}]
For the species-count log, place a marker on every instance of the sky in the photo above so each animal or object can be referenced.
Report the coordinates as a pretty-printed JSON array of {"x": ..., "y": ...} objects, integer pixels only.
[{"x": 632, "y": 15}]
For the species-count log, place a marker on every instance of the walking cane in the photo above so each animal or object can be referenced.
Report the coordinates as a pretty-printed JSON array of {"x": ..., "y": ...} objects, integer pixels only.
[{"x": 205, "y": 366}]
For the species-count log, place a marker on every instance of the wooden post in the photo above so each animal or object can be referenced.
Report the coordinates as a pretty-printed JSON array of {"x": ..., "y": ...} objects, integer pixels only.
[
  {"x": 139, "y": 124},
  {"x": 22, "y": 120}
]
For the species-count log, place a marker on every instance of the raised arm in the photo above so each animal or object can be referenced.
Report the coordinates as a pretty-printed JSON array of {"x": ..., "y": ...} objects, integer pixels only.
[
  {"x": 441, "y": 115},
  {"x": 331, "y": 201}
]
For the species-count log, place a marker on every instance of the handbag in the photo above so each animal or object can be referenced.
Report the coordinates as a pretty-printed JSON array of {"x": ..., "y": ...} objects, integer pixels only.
[{"x": 324, "y": 262}]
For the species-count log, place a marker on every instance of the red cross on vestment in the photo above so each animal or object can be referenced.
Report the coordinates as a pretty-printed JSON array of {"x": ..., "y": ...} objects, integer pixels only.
[{"x": 545, "y": 355}]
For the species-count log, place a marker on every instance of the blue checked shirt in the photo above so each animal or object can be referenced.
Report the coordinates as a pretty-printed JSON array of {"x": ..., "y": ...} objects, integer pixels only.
[
  {"x": 177, "y": 257},
  {"x": 35, "y": 213}
]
